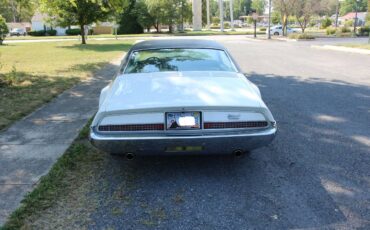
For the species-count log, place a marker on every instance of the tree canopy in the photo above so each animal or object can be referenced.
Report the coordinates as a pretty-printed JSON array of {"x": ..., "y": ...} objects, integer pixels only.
[{"x": 80, "y": 12}]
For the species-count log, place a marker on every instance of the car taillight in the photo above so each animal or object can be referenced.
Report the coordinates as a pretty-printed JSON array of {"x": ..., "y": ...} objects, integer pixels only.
[
  {"x": 235, "y": 125},
  {"x": 128, "y": 128}
]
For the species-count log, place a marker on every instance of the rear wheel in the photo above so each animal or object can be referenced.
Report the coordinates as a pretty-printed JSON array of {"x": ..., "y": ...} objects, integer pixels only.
[{"x": 276, "y": 34}]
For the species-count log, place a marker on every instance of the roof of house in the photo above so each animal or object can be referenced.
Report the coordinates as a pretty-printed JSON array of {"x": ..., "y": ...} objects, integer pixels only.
[
  {"x": 177, "y": 43},
  {"x": 38, "y": 17},
  {"x": 13, "y": 25},
  {"x": 352, "y": 15}
]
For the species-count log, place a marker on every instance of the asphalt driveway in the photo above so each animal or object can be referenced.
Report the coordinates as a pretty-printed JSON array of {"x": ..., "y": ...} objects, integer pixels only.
[{"x": 315, "y": 175}]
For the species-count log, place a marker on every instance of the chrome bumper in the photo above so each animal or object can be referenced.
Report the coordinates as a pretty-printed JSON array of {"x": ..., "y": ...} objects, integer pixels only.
[{"x": 171, "y": 145}]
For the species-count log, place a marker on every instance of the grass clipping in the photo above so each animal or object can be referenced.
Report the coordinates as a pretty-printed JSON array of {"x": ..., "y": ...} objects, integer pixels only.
[{"x": 60, "y": 191}]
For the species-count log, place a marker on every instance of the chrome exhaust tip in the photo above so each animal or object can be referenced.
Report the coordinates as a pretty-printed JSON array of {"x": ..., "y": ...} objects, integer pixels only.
[{"x": 130, "y": 156}]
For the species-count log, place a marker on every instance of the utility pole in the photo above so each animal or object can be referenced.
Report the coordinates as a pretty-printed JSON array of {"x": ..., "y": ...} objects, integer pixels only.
[
  {"x": 221, "y": 5},
  {"x": 232, "y": 15},
  {"x": 269, "y": 27},
  {"x": 208, "y": 17}
]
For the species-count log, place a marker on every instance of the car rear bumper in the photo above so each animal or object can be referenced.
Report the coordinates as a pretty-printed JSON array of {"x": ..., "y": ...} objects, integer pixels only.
[{"x": 174, "y": 145}]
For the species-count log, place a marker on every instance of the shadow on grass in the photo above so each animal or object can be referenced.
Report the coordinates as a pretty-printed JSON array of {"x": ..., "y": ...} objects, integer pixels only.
[
  {"x": 124, "y": 47},
  {"x": 23, "y": 93}
]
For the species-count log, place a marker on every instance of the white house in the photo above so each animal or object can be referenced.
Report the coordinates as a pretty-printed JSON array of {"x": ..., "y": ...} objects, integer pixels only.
[{"x": 39, "y": 22}]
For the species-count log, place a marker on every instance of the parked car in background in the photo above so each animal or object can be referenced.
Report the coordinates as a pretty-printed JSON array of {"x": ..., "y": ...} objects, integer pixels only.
[
  {"x": 181, "y": 97},
  {"x": 18, "y": 32},
  {"x": 278, "y": 30}
]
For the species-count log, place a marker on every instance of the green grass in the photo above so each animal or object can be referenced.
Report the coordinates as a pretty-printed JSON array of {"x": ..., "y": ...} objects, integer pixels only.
[
  {"x": 359, "y": 46},
  {"x": 69, "y": 174},
  {"x": 33, "y": 73}
]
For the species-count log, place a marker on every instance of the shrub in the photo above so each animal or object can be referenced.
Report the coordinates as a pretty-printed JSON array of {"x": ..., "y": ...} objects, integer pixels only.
[
  {"x": 345, "y": 29},
  {"x": 263, "y": 29},
  {"x": 3, "y": 29},
  {"x": 301, "y": 36},
  {"x": 348, "y": 23},
  {"x": 215, "y": 20},
  {"x": 226, "y": 25},
  {"x": 331, "y": 30},
  {"x": 326, "y": 23},
  {"x": 364, "y": 31},
  {"x": 73, "y": 31},
  {"x": 37, "y": 33},
  {"x": 51, "y": 32}
]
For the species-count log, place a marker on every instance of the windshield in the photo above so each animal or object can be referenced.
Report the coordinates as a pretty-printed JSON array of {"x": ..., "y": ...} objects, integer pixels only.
[{"x": 149, "y": 61}]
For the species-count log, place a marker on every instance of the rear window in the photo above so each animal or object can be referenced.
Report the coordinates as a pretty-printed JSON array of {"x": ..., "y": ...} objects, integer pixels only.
[{"x": 163, "y": 60}]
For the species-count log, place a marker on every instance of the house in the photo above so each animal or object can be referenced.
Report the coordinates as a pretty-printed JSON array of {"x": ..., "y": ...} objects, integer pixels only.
[
  {"x": 102, "y": 28},
  {"x": 41, "y": 21},
  {"x": 361, "y": 18},
  {"x": 19, "y": 25}
]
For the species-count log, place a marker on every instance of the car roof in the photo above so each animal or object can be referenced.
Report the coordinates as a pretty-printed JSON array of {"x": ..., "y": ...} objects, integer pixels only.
[{"x": 177, "y": 44}]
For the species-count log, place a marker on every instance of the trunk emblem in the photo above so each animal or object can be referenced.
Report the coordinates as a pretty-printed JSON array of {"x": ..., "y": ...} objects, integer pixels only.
[{"x": 233, "y": 116}]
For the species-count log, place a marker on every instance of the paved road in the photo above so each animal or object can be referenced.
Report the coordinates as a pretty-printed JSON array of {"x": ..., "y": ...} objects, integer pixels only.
[{"x": 316, "y": 174}]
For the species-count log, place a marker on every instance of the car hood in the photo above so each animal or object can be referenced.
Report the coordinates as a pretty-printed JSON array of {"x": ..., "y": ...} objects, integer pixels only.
[{"x": 181, "y": 89}]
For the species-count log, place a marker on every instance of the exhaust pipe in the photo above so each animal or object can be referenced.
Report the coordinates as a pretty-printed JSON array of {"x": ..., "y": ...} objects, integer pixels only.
[
  {"x": 238, "y": 153},
  {"x": 130, "y": 156}
]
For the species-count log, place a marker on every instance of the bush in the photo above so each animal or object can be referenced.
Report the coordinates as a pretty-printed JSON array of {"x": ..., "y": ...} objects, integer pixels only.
[
  {"x": 301, "y": 36},
  {"x": 73, "y": 32},
  {"x": 345, "y": 29},
  {"x": 349, "y": 23},
  {"x": 325, "y": 23},
  {"x": 51, "y": 32},
  {"x": 364, "y": 31},
  {"x": 215, "y": 20},
  {"x": 37, "y": 33},
  {"x": 331, "y": 30},
  {"x": 263, "y": 29}
]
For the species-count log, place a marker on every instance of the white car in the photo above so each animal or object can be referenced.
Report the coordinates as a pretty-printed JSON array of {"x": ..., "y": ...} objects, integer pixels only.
[
  {"x": 181, "y": 97},
  {"x": 18, "y": 32},
  {"x": 278, "y": 30}
]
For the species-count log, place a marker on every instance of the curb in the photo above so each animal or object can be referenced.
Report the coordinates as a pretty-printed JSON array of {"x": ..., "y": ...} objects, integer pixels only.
[{"x": 342, "y": 49}]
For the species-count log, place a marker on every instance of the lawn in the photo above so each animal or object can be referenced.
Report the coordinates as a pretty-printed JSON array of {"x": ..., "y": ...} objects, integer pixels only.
[
  {"x": 359, "y": 46},
  {"x": 31, "y": 74}
]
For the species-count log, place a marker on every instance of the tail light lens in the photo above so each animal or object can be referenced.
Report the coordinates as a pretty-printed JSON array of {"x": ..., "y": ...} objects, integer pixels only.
[
  {"x": 235, "y": 125},
  {"x": 129, "y": 128}
]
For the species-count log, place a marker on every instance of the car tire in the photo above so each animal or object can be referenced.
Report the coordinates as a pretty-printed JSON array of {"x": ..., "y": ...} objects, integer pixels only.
[{"x": 276, "y": 34}]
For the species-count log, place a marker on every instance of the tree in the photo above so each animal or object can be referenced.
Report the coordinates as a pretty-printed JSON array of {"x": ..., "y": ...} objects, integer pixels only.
[
  {"x": 350, "y": 6},
  {"x": 3, "y": 29},
  {"x": 259, "y": 6},
  {"x": 144, "y": 18},
  {"x": 129, "y": 23},
  {"x": 303, "y": 11},
  {"x": 169, "y": 12},
  {"x": 17, "y": 10},
  {"x": 80, "y": 12},
  {"x": 285, "y": 8}
]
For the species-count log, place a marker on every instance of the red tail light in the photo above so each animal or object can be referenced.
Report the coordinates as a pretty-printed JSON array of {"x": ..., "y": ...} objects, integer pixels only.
[
  {"x": 128, "y": 128},
  {"x": 235, "y": 125}
]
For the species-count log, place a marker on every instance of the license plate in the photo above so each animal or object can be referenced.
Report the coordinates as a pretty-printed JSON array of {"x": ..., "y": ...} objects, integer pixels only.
[{"x": 183, "y": 120}]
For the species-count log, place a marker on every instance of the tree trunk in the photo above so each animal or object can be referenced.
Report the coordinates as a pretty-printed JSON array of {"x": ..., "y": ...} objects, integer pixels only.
[
  {"x": 1, "y": 41},
  {"x": 83, "y": 35}
]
